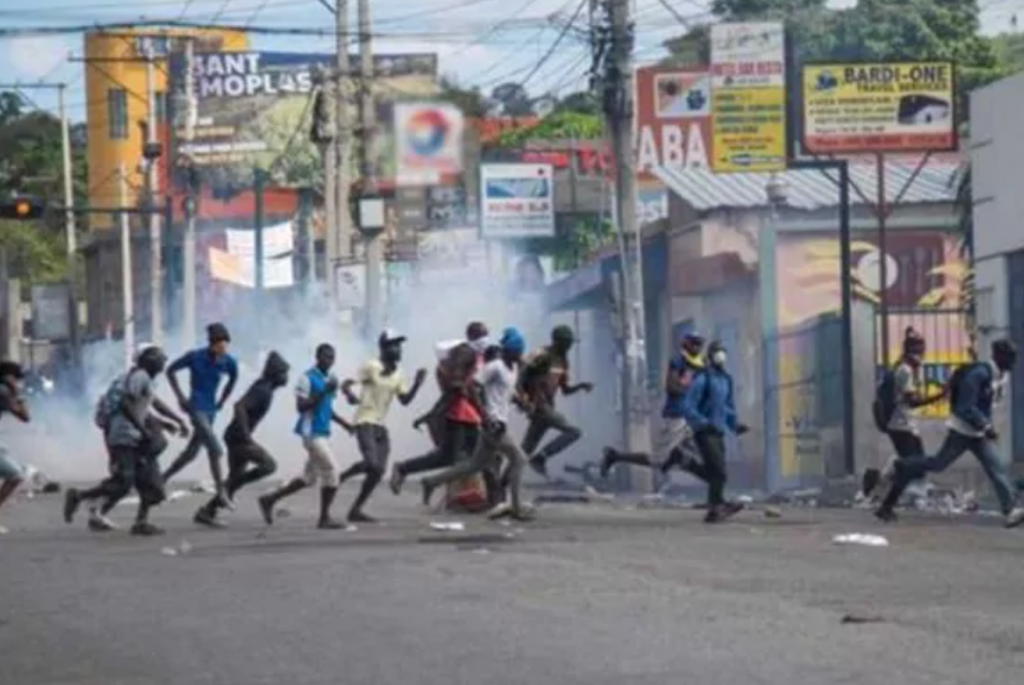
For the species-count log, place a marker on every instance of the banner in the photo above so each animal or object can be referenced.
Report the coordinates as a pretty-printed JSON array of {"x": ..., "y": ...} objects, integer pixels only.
[
  {"x": 883, "y": 107},
  {"x": 237, "y": 263},
  {"x": 517, "y": 201},
  {"x": 255, "y": 109},
  {"x": 748, "y": 88},
  {"x": 428, "y": 142},
  {"x": 673, "y": 107}
]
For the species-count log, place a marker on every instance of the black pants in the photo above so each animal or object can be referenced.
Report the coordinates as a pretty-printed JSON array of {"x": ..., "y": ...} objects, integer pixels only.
[
  {"x": 712, "y": 471},
  {"x": 130, "y": 467},
  {"x": 906, "y": 444},
  {"x": 458, "y": 441},
  {"x": 248, "y": 462}
]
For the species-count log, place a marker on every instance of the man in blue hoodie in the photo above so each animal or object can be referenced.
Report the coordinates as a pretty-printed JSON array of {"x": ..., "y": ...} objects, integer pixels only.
[
  {"x": 206, "y": 366},
  {"x": 710, "y": 410},
  {"x": 974, "y": 391}
]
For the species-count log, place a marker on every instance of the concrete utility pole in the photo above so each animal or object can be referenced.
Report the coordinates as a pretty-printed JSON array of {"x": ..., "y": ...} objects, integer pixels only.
[
  {"x": 618, "y": 107},
  {"x": 343, "y": 137},
  {"x": 328, "y": 145},
  {"x": 367, "y": 173},
  {"x": 189, "y": 242},
  {"x": 152, "y": 182},
  {"x": 127, "y": 289}
]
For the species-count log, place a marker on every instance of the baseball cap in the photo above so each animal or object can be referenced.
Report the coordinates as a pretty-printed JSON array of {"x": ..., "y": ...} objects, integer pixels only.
[{"x": 390, "y": 336}]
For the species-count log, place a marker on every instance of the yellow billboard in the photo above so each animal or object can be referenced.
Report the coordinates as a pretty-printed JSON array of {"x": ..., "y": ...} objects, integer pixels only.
[
  {"x": 879, "y": 107},
  {"x": 749, "y": 129}
]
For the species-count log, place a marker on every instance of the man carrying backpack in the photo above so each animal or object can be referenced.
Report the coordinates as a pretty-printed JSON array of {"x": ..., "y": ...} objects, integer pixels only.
[
  {"x": 900, "y": 393},
  {"x": 710, "y": 410},
  {"x": 135, "y": 439},
  {"x": 974, "y": 390}
]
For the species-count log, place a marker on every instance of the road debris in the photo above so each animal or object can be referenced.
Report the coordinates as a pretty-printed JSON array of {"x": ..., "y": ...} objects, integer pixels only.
[
  {"x": 857, "y": 619},
  {"x": 864, "y": 539},
  {"x": 183, "y": 548},
  {"x": 448, "y": 526}
]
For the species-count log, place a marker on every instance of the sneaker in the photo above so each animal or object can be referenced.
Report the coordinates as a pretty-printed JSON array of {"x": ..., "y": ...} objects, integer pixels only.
[
  {"x": 329, "y": 524},
  {"x": 225, "y": 501},
  {"x": 499, "y": 511},
  {"x": 360, "y": 517},
  {"x": 886, "y": 516},
  {"x": 204, "y": 517},
  {"x": 539, "y": 464},
  {"x": 396, "y": 480},
  {"x": 99, "y": 523},
  {"x": 1015, "y": 518},
  {"x": 267, "y": 509},
  {"x": 730, "y": 509},
  {"x": 72, "y": 501},
  {"x": 146, "y": 530},
  {"x": 428, "y": 493},
  {"x": 714, "y": 515},
  {"x": 608, "y": 455},
  {"x": 869, "y": 481}
]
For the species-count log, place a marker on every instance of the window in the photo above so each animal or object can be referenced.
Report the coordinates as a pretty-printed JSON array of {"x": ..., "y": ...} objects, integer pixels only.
[
  {"x": 117, "y": 113},
  {"x": 161, "y": 107}
]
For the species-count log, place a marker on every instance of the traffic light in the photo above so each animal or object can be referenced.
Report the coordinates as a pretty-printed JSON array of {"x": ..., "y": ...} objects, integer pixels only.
[{"x": 22, "y": 208}]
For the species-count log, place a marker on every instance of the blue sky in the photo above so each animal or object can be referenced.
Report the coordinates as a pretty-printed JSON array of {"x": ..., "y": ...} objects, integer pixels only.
[{"x": 482, "y": 42}]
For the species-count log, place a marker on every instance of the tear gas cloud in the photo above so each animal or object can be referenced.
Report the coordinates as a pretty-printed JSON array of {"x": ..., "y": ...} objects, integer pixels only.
[{"x": 65, "y": 444}]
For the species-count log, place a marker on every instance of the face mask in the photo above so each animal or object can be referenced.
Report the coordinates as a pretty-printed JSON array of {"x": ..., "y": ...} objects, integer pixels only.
[
  {"x": 480, "y": 345},
  {"x": 718, "y": 358}
]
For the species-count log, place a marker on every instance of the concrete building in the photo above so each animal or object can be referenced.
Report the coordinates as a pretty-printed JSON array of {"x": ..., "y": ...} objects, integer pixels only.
[
  {"x": 115, "y": 81},
  {"x": 997, "y": 148}
]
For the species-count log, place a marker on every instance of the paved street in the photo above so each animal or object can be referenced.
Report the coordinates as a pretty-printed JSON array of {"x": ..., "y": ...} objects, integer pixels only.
[{"x": 590, "y": 594}]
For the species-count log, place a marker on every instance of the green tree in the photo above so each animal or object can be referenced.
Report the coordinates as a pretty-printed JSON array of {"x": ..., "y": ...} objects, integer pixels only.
[{"x": 471, "y": 101}]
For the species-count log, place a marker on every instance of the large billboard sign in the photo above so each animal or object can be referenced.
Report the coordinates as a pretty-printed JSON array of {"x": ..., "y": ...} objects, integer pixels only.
[
  {"x": 517, "y": 201},
  {"x": 672, "y": 124},
  {"x": 255, "y": 109},
  {"x": 428, "y": 142},
  {"x": 878, "y": 107},
  {"x": 748, "y": 87}
]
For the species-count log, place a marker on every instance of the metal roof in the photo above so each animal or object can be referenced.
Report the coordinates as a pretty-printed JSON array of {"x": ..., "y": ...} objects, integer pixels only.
[{"x": 810, "y": 190}]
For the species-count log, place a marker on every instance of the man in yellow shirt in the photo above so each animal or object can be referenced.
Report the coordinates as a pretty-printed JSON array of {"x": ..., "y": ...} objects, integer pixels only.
[{"x": 381, "y": 381}]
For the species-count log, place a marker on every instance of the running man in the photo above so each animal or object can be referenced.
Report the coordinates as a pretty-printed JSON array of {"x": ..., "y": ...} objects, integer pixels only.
[
  {"x": 248, "y": 461},
  {"x": 499, "y": 380},
  {"x": 675, "y": 443},
  {"x": 381, "y": 381},
  {"x": 12, "y": 474},
  {"x": 135, "y": 438},
  {"x": 710, "y": 409},
  {"x": 544, "y": 375},
  {"x": 206, "y": 366},
  {"x": 974, "y": 391},
  {"x": 314, "y": 399}
]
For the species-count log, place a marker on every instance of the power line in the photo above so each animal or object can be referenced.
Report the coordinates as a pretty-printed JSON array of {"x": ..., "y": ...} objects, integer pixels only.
[{"x": 558, "y": 41}]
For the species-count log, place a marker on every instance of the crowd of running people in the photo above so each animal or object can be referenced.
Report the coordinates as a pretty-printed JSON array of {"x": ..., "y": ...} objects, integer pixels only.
[{"x": 480, "y": 384}]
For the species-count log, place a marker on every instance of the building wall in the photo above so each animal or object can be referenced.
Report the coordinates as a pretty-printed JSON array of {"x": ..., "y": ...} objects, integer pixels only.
[{"x": 116, "y": 95}]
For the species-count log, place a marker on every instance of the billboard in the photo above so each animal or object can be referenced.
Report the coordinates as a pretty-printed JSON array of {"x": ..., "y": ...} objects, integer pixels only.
[
  {"x": 428, "y": 142},
  {"x": 748, "y": 97},
  {"x": 672, "y": 125},
  {"x": 237, "y": 264},
  {"x": 255, "y": 109},
  {"x": 517, "y": 201},
  {"x": 878, "y": 107}
]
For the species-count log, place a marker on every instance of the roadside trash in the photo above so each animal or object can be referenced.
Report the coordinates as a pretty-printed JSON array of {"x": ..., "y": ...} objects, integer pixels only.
[
  {"x": 861, "y": 539},
  {"x": 282, "y": 513},
  {"x": 204, "y": 487},
  {"x": 4, "y": 531},
  {"x": 481, "y": 550},
  {"x": 772, "y": 513},
  {"x": 745, "y": 499},
  {"x": 449, "y": 526},
  {"x": 183, "y": 548},
  {"x": 857, "y": 619},
  {"x": 130, "y": 501},
  {"x": 351, "y": 529},
  {"x": 178, "y": 494}
]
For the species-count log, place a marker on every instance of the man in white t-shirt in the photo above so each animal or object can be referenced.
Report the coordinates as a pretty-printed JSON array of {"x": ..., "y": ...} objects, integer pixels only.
[
  {"x": 381, "y": 381},
  {"x": 499, "y": 379}
]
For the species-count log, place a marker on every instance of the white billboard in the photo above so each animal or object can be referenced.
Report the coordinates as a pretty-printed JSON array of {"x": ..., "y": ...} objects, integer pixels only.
[
  {"x": 517, "y": 201},
  {"x": 428, "y": 142}
]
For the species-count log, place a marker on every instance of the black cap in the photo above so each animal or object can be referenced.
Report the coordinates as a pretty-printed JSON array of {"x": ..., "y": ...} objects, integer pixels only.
[
  {"x": 1004, "y": 348},
  {"x": 10, "y": 368},
  {"x": 389, "y": 336}
]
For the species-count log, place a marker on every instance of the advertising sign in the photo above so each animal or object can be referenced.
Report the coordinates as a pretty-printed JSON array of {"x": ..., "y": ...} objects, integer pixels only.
[
  {"x": 748, "y": 97},
  {"x": 51, "y": 311},
  {"x": 255, "y": 109},
  {"x": 517, "y": 201},
  {"x": 672, "y": 125},
  {"x": 882, "y": 107},
  {"x": 428, "y": 142}
]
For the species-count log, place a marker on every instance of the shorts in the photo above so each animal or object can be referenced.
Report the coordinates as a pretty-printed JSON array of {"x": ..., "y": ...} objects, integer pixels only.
[
  {"x": 320, "y": 465},
  {"x": 673, "y": 432},
  {"x": 10, "y": 469}
]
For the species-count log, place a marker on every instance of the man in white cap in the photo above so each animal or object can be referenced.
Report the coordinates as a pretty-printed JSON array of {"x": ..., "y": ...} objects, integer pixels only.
[{"x": 381, "y": 380}]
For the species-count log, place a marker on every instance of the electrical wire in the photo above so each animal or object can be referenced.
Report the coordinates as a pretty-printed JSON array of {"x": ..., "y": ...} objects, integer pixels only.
[{"x": 554, "y": 46}]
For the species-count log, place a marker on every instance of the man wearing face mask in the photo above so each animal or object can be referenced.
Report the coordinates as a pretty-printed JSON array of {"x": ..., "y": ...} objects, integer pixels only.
[
  {"x": 381, "y": 381},
  {"x": 974, "y": 390},
  {"x": 544, "y": 375},
  {"x": 248, "y": 461},
  {"x": 456, "y": 417},
  {"x": 710, "y": 409},
  {"x": 675, "y": 444}
]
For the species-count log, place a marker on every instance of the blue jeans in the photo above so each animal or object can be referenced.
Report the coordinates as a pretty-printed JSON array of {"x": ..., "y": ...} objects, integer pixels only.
[
  {"x": 954, "y": 447},
  {"x": 202, "y": 436}
]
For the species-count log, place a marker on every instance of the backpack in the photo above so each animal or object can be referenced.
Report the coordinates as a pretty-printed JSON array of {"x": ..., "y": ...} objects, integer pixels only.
[
  {"x": 884, "y": 405},
  {"x": 110, "y": 402}
]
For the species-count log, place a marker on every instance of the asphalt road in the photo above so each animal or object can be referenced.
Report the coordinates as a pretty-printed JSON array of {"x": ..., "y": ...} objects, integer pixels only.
[{"x": 593, "y": 594}]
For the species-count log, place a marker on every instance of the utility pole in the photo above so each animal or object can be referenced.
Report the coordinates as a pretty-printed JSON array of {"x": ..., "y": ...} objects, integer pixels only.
[
  {"x": 326, "y": 134},
  {"x": 152, "y": 181},
  {"x": 189, "y": 242},
  {"x": 617, "y": 100},
  {"x": 368, "y": 185},
  {"x": 259, "y": 183},
  {"x": 127, "y": 290},
  {"x": 343, "y": 138}
]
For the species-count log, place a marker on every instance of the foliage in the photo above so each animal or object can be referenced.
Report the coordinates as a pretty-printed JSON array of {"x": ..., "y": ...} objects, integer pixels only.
[
  {"x": 560, "y": 125},
  {"x": 471, "y": 101}
]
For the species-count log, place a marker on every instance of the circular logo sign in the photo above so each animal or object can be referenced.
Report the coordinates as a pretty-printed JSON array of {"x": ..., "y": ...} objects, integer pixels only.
[{"x": 426, "y": 132}]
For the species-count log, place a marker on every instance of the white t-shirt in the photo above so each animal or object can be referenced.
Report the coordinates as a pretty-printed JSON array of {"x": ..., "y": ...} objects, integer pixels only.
[{"x": 499, "y": 383}]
